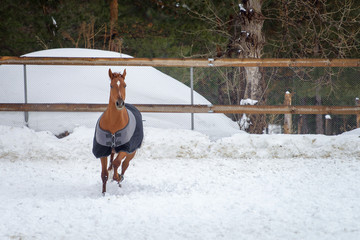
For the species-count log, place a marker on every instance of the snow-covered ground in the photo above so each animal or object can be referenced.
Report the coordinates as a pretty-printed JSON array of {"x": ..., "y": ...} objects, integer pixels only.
[
  {"x": 181, "y": 185},
  {"x": 213, "y": 183}
]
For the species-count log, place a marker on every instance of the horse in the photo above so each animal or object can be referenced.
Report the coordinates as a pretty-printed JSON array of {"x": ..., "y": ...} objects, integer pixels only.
[{"x": 119, "y": 130}]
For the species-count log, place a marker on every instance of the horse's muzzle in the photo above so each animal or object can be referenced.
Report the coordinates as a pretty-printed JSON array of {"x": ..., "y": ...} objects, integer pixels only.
[{"x": 119, "y": 104}]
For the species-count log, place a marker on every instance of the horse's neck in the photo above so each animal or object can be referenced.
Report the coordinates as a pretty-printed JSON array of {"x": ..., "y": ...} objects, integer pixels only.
[{"x": 114, "y": 120}]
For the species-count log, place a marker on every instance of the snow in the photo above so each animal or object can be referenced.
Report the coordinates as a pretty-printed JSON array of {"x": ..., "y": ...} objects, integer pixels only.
[
  {"x": 273, "y": 129},
  {"x": 353, "y": 132},
  {"x": 248, "y": 101},
  {"x": 245, "y": 122},
  {"x": 53, "y": 21},
  {"x": 241, "y": 7},
  {"x": 182, "y": 184}
]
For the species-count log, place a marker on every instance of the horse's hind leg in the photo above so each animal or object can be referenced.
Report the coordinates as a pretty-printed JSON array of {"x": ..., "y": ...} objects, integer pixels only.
[{"x": 104, "y": 173}]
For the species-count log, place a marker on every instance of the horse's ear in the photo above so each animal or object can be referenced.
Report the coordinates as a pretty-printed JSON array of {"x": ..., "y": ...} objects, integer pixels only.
[
  {"x": 124, "y": 73},
  {"x": 110, "y": 73}
]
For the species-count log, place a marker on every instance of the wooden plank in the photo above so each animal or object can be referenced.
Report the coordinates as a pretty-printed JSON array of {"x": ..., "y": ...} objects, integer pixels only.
[
  {"x": 167, "y": 108},
  {"x": 182, "y": 62},
  {"x": 263, "y": 109},
  {"x": 52, "y": 107}
]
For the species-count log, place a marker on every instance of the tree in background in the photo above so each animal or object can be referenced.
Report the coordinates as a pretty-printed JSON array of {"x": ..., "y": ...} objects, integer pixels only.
[
  {"x": 314, "y": 29},
  {"x": 293, "y": 29},
  {"x": 24, "y": 25},
  {"x": 209, "y": 28},
  {"x": 235, "y": 31}
]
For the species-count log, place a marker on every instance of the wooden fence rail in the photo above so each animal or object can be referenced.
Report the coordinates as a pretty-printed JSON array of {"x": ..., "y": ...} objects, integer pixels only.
[
  {"x": 182, "y": 62},
  {"x": 177, "y": 62},
  {"x": 167, "y": 108}
]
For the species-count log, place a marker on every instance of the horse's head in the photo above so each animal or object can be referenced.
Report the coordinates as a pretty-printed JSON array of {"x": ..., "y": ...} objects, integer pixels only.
[{"x": 117, "y": 89}]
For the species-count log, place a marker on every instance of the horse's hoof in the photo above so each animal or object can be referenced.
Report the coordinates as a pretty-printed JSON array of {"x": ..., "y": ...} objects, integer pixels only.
[{"x": 120, "y": 179}]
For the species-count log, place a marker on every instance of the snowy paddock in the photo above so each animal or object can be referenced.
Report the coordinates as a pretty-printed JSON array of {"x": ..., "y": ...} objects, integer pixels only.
[{"x": 181, "y": 185}]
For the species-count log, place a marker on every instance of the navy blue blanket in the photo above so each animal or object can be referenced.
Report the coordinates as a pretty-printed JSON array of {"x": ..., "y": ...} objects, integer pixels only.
[{"x": 132, "y": 145}]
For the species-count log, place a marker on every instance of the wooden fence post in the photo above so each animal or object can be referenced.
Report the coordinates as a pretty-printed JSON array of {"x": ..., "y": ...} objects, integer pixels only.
[
  {"x": 288, "y": 117},
  {"x": 328, "y": 126},
  {"x": 357, "y": 103}
]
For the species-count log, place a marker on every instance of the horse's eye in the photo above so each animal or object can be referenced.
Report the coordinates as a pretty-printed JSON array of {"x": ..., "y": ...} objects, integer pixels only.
[{"x": 111, "y": 86}]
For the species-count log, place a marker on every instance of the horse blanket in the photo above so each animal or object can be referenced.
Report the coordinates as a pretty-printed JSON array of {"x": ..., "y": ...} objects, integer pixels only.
[{"x": 127, "y": 139}]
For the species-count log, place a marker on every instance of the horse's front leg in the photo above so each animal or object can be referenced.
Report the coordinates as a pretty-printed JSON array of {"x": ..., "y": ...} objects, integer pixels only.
[{"x": 104, "y": 173}]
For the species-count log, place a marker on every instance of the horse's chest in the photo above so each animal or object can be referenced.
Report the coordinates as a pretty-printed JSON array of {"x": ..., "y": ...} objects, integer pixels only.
[
  {"x": 106, "y": 138},
  {"x": 128, "y": 139}
]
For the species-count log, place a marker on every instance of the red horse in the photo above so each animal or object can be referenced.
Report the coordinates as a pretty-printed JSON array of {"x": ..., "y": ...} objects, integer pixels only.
[{"x": 118, "y": 130}]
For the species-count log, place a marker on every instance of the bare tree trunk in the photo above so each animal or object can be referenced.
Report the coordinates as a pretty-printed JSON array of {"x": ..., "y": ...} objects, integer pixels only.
[
  {"x": 303, "y": 127},
  {"x": 114, "y": 10},
  {"x": 242, "y": 25},
  {"x": 251, "y": 46},
  {"x": 319, "y": 117}
]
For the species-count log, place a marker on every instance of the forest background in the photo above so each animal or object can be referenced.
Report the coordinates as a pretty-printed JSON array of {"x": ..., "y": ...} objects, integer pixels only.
[{"x": 210, "y": 29}]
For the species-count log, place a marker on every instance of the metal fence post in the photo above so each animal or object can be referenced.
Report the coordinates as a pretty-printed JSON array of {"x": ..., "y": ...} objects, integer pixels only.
[
  {"x": 192, "y": 95},
  {"x": 357, "y": 103},
  {"x": 26, "y": 114}
]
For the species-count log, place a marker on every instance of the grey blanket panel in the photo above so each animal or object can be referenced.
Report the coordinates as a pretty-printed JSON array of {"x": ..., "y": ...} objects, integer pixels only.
[
  {"x": 135, "y": 141},
  {"x": 121, "y": 137}
]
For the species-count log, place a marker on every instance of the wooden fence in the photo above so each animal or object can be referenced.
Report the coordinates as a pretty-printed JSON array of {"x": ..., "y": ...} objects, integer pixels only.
[
  {"x": 182, "y": 62},
  {"x": 176, "y": 62},
  {"x": 173, "y": 108}
]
